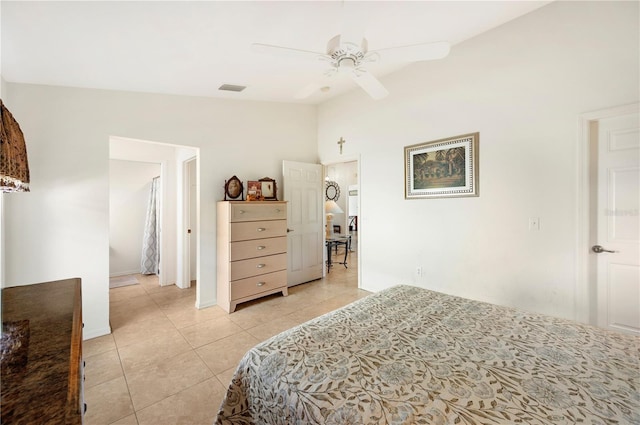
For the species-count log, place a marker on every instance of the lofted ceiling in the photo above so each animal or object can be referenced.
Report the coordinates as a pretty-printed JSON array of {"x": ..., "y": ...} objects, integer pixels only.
[{"x": 194, "y": 47}]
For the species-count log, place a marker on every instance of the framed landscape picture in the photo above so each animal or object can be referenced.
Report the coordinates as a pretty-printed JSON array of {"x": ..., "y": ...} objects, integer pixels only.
[{"x": 445, "y": 168}]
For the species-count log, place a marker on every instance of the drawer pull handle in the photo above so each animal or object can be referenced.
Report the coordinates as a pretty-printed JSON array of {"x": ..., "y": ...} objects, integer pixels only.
[
  {"x": 260, "y": 247},
  {"x": 260, "y": 266},
  {"x": 261, "y": 283},
  {"x": 277, "y": 210},
  {"x": 261, "y": 229},
  {"x": 240, "y": 211}
]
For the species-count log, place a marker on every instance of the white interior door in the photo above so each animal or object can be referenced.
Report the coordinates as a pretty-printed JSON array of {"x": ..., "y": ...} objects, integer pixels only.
[
  {"x": 618, "y": 224},
  {"x": 302, "y": 188}
]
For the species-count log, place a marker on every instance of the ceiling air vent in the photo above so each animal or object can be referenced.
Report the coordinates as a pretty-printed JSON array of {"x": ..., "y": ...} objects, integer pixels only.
[{"x": 231, "y": 87}]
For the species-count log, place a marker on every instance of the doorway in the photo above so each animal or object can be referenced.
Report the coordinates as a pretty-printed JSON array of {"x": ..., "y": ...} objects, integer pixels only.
[
  {"x": 609, "y": 222},
  {"x": 175, "y": 207},
  {"x": 304, "y": 189},
  {"x": 343, "y": 181}
]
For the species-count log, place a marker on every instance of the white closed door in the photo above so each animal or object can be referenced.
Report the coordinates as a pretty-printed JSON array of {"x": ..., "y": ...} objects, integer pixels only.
[
  {"x": 617, "y": 245},
  {"x": 302, "y": 188}
]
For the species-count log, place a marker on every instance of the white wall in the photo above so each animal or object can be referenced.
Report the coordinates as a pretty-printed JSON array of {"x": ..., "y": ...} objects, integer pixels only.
[
  {"x": 61, "y": 228},
  {"x": 129, "y": 188},
  {"x": 522, "y": 86}
]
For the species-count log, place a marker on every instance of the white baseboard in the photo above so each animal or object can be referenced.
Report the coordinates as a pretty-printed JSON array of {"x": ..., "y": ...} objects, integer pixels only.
[
  {"x": 124, "y": 273},
  {"x": 94, "y": 333},
  {"x": 206, "y": 304}
]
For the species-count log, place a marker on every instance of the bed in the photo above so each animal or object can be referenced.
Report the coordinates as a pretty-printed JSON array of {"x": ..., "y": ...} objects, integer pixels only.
[{"x": 407, "y": 355}]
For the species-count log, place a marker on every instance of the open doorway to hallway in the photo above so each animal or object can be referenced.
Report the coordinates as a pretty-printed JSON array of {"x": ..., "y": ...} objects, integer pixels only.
[
  {"x": 342, "y": 188},
  {"x": 178, "y": 263}
]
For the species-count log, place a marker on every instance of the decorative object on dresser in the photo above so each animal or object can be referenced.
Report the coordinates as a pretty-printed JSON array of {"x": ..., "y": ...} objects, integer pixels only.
[
  {"x": 252, "y": 251},
  {"x": 254, "y": 191},
  {"x": 269, "y": 190},
  {"x": 42, "y": 367},
  {"x": 445, "y": 168},
  {"x": 233, "y": 189}
]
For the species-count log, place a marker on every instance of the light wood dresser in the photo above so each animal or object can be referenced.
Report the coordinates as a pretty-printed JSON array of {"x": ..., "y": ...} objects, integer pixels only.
[{"x": 252, "y": 251}]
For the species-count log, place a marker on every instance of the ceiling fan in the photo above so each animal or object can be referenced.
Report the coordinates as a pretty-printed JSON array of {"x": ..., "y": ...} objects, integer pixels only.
[{"x": 345, "y": 57}]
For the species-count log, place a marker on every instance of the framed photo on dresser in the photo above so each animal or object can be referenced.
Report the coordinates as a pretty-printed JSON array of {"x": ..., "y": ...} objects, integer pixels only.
[
  {"x": 268, "y": 187},
  {"x": 233, "y": 189},
  {"x": 254, "y": 190}
]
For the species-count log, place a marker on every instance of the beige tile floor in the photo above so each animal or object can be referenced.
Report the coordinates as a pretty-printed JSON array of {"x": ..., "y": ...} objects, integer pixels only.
[{"x": 166, "y": 362}]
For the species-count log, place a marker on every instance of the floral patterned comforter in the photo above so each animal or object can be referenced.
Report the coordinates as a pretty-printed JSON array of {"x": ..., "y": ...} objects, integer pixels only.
[{"x": 407, "y": 355}]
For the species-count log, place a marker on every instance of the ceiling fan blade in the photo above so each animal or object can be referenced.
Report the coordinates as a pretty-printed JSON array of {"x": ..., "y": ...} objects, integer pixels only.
[
  {"x": 415, "y": 52},
  {"x": 370, "y": 84},
  {"x": 286, "y": 51}
]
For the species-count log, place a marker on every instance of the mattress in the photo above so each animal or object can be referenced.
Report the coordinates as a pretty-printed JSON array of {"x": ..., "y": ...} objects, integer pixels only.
[{"x": 407, "y": 355}]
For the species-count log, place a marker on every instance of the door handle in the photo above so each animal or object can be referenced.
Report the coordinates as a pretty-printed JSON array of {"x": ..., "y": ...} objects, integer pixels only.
[
  {"x": 289, "y": 230},
  {"x": 599, "y": 249}
]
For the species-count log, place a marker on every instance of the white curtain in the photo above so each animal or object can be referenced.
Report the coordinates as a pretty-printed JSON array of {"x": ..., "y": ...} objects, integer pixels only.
[{"x": 150, "y": 251}]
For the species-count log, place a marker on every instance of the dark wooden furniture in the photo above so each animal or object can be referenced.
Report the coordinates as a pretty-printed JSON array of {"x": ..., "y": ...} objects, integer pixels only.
[
  {"x": 42, "y": 354},
  {"x": 334, "y": 241}
]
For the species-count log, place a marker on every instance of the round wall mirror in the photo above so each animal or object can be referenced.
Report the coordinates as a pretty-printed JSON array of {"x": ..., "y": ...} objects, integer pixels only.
[{"x": 332, "y": 191}]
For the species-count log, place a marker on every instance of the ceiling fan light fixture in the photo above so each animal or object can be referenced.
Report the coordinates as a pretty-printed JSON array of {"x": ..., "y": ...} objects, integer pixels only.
[
  {"x": 348, "y": 58},
  {"x": 346, "y": 65}
]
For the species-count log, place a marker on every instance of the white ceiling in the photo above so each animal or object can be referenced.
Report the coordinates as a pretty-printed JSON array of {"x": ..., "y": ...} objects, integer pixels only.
[{"x": 191, "y": 48}]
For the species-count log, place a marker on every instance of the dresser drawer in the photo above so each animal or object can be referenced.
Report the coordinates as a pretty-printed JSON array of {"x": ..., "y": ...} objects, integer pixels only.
[
  {"x": 257, "y": 266},
  {"x": 258, "y": 248},
  {"x": 257, "y": 284},
  {"x": 248, "y": 211},
  {"x": 258, "y": 230}
]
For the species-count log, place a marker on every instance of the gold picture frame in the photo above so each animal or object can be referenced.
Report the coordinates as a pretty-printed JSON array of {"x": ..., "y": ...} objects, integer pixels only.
[{"x": 445, "y": 168}]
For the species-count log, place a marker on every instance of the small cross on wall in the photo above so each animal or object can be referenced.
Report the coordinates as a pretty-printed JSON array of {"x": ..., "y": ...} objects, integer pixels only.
[{"x": 341, "y": 142}]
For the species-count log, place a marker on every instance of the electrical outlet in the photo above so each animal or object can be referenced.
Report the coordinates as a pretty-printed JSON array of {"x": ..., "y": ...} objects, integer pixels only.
[
  {"x": 534, "y": 223},
  {"x": 418, "y": 271}
]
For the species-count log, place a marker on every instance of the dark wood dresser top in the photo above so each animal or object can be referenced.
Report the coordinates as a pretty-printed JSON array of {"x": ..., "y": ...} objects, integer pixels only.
[{"x": 41, "y": 353}]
